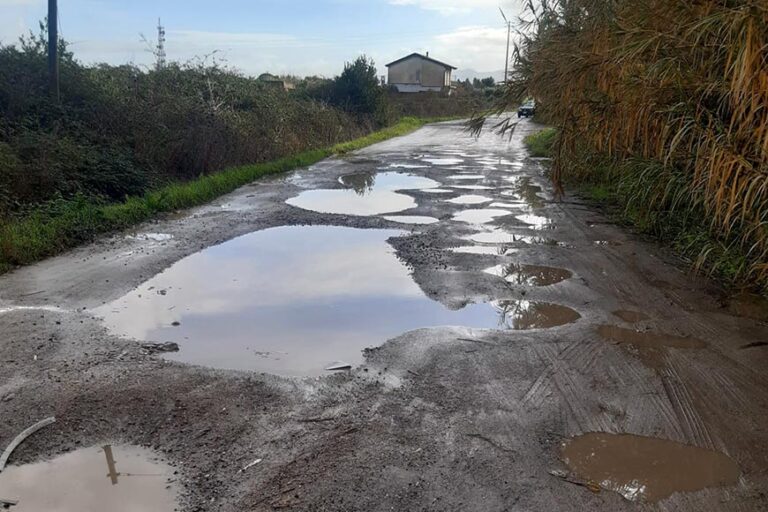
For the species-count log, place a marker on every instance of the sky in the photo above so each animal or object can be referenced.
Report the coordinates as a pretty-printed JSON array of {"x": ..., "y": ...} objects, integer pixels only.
[{"x": 298, "y": 37}]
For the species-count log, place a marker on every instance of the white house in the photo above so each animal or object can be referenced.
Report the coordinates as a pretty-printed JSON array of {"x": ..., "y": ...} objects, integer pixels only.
[{"x": 419, "y": 73}]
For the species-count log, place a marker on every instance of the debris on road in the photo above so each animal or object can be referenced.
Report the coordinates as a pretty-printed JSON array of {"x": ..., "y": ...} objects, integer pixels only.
[
  {"x": 21, "y": 438},
  {"x": 160, "y": 348},
  {"x": 338, "y": 366}
]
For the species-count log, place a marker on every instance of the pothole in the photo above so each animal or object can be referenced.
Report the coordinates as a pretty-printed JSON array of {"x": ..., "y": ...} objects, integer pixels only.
[
  {"x": 524, "y": 314},
  {"x": 498, "y": 236},
  {"x": 470, "y": 199},
  {"x": 288, "y": 300},
  {"x": 115, "y": 478},
  {"x": 480, "y": 216},
  {"x": 443, "y": 161},
  {"x": 412, "y": 219},
  {"x": 530, "y": 275},
  {"x": 366, "y": 193},
  {"x": 646, "y": 469},
  {"x": 472, "y": 187},
  {"x": 498, "y": 250},
  {"x": 648, "y": 339},
  {"x": 466, "y": 177},
  {"x": 535, "y": 221}
]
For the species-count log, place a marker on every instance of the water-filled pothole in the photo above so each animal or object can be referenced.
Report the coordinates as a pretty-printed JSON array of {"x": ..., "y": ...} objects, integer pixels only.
[
  {"x": 480, "y": 216},
  {"x": 412, "y": 219},
  {"x": 530, "y": 275},
  {"x": 524, "y": 314},
  {"x": 287, "y": 300},
  {"x": 443, "y": 161},
  {"x": 497, "y": 250},
  {"x": 114, "y": 478},
  {"x": 535, "y": 221},
  {"x": 646, "y": 468},
  {"x": 472, "y": 187},
  {"x": 499, "y": 236},
  {"x": 648, "y": 339},
  {"x": 366, "y": 193},
  {"x": 470, "y": 199},
  {"x": 466, "y": 177}
]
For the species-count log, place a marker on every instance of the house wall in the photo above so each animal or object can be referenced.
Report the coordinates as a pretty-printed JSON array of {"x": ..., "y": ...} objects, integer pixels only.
[{"x": 419, "y": 72}]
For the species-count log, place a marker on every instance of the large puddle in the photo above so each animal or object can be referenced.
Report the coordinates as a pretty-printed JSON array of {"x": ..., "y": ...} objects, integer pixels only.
[
  {"x": 113, "y": 478},
  {"x": 292, "y": 300},
  {"x": 645, "y": 468},
  {"x": 365, "y": 193}
]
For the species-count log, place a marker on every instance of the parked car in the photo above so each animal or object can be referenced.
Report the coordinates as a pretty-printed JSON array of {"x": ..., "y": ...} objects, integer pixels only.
[{"x": 527, "y": 110}]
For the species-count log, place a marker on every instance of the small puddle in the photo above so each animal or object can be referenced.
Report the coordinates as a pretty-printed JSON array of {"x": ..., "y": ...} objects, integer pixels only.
[
  {"x": 443, "y": 161},
  {"x": 472, "y": 187},
  {"x": 646, "y": 469},
  {"x": 437, "y": 191},
  {"x": 498, "y": 236},
  {"x": 524, "y": 190},
  {"x": 535, "y": 221},
  {"x": 412, "y": 219},
  {"x": 524, "y": 314},
  {"x": 466, "y": 177},
  {"x": 631, "y": 317},
  {"x": 367, "y": 193},
  {"x": 530, "y": 275},
  {"x": 288, "y": 300},
  {"x": 114, "y": 478},
  {"x": 470, "y": 199},
  {"x": 648, "y": 339},
  {"x": 480, "y": 216},
  {"x": 498, "y": 250}
]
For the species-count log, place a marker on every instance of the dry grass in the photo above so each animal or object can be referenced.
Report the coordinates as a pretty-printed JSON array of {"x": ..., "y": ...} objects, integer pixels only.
[{"x": 678, "y": 89}]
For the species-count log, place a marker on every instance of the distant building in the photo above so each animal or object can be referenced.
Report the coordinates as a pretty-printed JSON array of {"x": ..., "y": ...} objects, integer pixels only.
[
  {"x": 276, "y": 82},
  {"x": 419, "y": 73}
]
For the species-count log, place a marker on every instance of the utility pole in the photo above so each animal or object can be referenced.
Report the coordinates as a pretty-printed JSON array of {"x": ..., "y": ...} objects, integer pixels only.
[
  {"x": 509, "y": 32},
  {"x": 160, "y": 53},
  {"x": 53, "y": 49}
]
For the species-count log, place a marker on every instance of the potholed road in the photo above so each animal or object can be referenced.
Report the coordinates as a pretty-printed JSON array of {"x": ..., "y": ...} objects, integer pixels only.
[{"x": 504, "y": 326}]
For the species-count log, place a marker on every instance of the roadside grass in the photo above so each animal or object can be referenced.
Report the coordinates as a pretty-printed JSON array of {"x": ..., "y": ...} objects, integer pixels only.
[
  {"x": 540, "y": 144},
  {"x": 63, "y": 224},
  {"x": 620, "y": 188}
]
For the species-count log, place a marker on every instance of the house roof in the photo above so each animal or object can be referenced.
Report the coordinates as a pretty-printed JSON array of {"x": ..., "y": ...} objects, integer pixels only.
[{"x": 398, "y": 61}]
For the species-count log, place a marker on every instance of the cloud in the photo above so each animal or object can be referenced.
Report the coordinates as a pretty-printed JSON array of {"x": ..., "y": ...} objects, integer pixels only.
[
  {"x": 474, "y": 47},
  {"x": 448, "y": 7}
]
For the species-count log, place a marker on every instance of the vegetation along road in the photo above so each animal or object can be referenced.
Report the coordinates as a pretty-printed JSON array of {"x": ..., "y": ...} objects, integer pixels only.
[{"x": 491, "y": 348}]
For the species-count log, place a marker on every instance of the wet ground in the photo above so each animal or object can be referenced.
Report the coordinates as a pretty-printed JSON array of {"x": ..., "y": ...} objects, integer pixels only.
[{"x": 508, "y": 351}]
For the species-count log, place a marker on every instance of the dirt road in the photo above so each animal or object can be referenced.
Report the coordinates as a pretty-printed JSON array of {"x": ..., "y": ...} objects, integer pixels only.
[{"x": 563, "y": 324}]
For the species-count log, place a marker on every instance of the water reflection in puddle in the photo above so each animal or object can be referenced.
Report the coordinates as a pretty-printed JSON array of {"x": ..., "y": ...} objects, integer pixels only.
[
  {"x": 437, "y": 191},
  {"x": 443, "y": 161},
  {"x": 480, "y": 216},
  {"x": 498, "y": 236},
  {"x": 646, "y": 468},
  {"x": 288, "y": 300},
  {"x": 367, "y": 193},
  {"x": 470, "y": 199},
  {"x": 412, "y": 219},
  {"x": 536, "y": 221},
  {"x": 114, "y": 478},
  {"x": 498, "y": 250},
  {"x": 530, "y": 275},
  {"x": 466, "y": 177},
  {"x": 472, "y": 187},
  {"x": 523, "y": 314}
]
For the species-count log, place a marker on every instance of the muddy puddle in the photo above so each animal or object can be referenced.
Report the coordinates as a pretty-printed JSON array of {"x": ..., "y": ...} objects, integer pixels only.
[
  {"x": 480, "y": 215},
  {"x": 522, "y": 315},
  {"x": 412, "y": 219},
  {"x": 290, "y": 301},
  {"x": 646, "y": 469},
  {"x": 470, "y": 199},
  {"x": 365, "y": 193},
  {"x": 113, "y": 478},
  {"x": 530, "y": 275},
  {"x": 648, "y": 339}
]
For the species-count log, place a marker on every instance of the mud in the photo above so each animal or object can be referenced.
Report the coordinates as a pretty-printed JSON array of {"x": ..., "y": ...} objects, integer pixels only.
[
  {"x": 646, "y": 469},
  {"x": 631, "y": 317},
  {"x": 446, "y": 416}
]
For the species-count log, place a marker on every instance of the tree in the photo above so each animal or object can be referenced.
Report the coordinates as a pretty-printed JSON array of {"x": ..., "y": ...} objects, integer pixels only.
[{"x": 357, "y": 89}]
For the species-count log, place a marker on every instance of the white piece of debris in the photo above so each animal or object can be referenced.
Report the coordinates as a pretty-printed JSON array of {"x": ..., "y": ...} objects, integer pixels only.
[
  {"x": 20, "y": 439},
  {"x": 338, "y": 365},
  {"x": 257, "y": 461}
]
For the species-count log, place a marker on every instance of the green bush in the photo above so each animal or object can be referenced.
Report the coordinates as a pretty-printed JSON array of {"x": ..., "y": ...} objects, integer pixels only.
[{"x": 540, "y": 144}]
